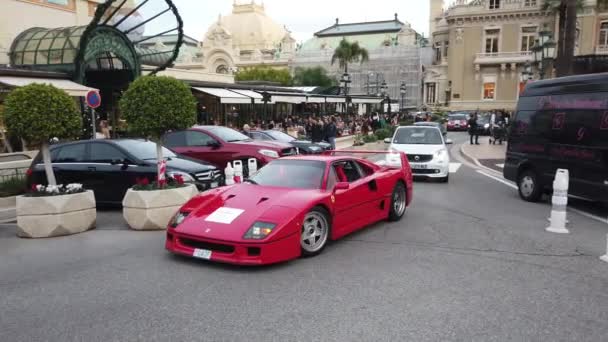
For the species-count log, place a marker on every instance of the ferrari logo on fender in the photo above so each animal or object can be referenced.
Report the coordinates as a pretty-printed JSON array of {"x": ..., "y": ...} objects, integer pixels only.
[
  {"x": 333, "y": 199},
  {"x": 207, "y": 230}
]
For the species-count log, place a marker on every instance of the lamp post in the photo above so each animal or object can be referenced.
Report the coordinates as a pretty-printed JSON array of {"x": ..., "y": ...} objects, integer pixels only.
[
  {"x": 384, "y": 90},
  {"x": 346, "y": 80},
  {"x": 544, "y": 50},
  {"x": 403, "y": 91}
]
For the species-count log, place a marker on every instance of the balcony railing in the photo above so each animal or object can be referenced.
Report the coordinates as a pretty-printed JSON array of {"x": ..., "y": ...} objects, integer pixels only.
[
  {"x": 462, "y": 7},
  {"x": 601, "y": 50},
  {"x": 503, "y": 57}
]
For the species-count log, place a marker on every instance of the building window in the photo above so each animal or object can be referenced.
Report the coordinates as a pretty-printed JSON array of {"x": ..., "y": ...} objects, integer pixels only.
[
  {"x": 492, "y": 40},
  {"x": 528, "y": 36},
  {"x": 437, "y": 52},
  {"x": 446, "y": 46},
  {"x": 494, "y": 4},
  {"x": 430, "y": 93},
  {"x": 530, "y": 3},
  {"x": 58, "y": 2},
  {"x": 603, "y": 34},
  {"x": 489, "y": 90}
]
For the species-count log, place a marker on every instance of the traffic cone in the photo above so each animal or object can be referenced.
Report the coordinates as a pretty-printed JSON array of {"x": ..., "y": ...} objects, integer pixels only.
[
  {"x": 252, "y": 164},
  {"x": 229, "y": 173},
  {"x": 559, "y": 203},
  {"x": 238, "y": 171}
]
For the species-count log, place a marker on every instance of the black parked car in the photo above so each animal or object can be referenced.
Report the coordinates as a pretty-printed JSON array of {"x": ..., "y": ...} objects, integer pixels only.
[
  {"x": 305, "y": 146},
  {"x": 111, "y": 167},
  {"x": 483, "y": 124}
]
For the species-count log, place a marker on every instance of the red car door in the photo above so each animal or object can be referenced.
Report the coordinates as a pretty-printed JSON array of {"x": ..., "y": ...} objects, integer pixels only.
[
  {"x": 351, "y": 206},
  {"x": 198, "y": 145}
]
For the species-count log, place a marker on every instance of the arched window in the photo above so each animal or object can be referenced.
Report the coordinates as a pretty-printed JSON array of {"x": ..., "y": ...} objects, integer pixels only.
[{"x": 222, "y": 69}]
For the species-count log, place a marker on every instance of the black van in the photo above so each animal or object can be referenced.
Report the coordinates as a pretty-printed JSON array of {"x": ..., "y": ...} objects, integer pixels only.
[{"x": 561, "y": 123}]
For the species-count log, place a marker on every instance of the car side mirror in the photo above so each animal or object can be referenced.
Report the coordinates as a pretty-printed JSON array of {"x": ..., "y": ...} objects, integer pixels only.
[
  {"x": 449, "y": 142},
  {"x": 387, "y": 140},
  {"x": 342, "y": 186},
  {"x": 214, "y": 144}
]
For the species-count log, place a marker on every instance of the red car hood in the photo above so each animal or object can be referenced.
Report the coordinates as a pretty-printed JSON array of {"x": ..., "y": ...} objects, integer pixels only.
[{"x": 226, "y": 214}]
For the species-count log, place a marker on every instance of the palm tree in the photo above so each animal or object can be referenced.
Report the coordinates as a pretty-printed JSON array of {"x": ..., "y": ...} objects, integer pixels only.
[
  {"x": 566, "y": 42},
  {"x": 348, "y": 52}
]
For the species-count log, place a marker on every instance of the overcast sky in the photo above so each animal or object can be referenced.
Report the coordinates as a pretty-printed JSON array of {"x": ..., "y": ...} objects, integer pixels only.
[{"x": 304, "y": 17}]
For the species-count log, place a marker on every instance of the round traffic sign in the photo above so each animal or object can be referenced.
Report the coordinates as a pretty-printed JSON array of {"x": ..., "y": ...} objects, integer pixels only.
[{"x": 93, "y": 99}]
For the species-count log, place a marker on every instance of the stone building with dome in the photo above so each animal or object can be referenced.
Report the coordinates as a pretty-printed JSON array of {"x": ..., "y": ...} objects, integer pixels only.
[{"x": 246, "y": 38}]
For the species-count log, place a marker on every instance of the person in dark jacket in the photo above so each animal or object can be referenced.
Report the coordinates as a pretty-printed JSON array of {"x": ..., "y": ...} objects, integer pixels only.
[
  {"x": 317, "y": 133},
  {"x": 331, "y": 132},
  {"x": 473, "y": 129}
]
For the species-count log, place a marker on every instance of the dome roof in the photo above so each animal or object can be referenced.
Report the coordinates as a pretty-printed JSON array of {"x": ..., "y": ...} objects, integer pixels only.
[{"x": 249, "y": 28}]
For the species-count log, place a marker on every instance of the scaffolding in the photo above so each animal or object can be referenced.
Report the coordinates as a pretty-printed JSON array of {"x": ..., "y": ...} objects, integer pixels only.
[{"x": 393, "y": 64}]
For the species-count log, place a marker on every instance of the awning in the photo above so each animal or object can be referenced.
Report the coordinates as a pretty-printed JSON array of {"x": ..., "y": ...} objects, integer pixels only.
[
  {"x": 315, "y": 99},
  {"x": 288, "y": 97},
  {"x": 225, "y": 95},
  {"x": 259, "y": 99},
  {"x": 72, "y": 88},
  {"x": 335, "y": 99},
  {"x": 366, "y": 100}
]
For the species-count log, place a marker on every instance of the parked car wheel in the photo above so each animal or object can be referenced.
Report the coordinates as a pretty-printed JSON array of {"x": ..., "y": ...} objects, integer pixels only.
[{"x": 529, "y": 187}]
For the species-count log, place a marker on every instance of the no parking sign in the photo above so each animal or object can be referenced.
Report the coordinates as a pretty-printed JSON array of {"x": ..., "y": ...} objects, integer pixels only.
[{"x": 93, "y": 99}]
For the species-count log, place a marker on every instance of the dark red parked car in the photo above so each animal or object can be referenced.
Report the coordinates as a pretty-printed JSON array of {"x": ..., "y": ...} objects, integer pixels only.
[
  {"x": 457, "y": 122},
  {"x": 222, "y": 145}
]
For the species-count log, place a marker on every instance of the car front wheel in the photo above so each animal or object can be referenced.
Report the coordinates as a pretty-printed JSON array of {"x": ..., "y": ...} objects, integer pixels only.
[
  {"x": 529, "y": 187},
  {"x": 315, "y": 232}
]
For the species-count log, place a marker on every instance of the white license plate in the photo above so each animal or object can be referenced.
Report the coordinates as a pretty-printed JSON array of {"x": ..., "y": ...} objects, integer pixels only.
[
  {"x": 214, "y": 185},
  {"x": 202, "y": 254},
  {"x": 419, "y": 166}
]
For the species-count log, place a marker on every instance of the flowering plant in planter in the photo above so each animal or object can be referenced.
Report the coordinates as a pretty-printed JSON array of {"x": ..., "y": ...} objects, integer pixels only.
[
  {"x": 173, "y": 182},
  {"x": 39, "y": 190}
]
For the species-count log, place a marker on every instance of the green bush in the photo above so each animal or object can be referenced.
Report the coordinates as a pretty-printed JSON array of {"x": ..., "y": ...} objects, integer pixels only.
[
  {"x": 370, "y": 138},
  {"x": 382, "y": 134},
  {"x": 12, "y": 187},
  {"x": 407, "y": 122}
]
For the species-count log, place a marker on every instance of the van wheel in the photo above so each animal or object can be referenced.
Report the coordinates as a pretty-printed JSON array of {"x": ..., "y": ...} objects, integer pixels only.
[{"x": 529, "y": 187}]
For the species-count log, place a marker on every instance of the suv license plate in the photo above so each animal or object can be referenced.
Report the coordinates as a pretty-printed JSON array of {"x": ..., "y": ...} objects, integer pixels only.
[
  {"x": 202, "y": 254},
  {"x": 214, "y": 185},
  {"x": 419, "y": 166}
]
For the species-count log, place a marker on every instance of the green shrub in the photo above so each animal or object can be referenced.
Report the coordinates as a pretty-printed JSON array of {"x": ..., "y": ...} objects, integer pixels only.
[
  {"x": 382, "y": 134},
  {"x": 370, "y": 138},
  {"x": 13, "y": 186}
]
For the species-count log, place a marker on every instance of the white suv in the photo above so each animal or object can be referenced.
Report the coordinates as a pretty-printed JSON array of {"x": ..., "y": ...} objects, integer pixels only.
[{"x": 426, "y": 151}]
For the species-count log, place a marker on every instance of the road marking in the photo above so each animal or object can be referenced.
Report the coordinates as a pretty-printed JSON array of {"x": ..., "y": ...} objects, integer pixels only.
[
  {"x": 454, "y": 167},
  {"x": 502, "y": 166},
  {"x": 503, "y": 181}
]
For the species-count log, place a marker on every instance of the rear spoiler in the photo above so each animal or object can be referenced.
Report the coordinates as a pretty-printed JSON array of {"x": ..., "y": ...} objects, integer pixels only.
[{"x": 391, "y": 159}]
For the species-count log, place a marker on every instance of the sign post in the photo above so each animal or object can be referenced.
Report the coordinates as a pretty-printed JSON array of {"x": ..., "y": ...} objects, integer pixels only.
[{"x": 93, "y": 101}]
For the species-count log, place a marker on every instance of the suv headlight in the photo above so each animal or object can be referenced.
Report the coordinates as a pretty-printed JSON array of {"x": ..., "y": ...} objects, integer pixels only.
[
  {"x": 441, "y": 155},
  {"x": 185, "y": 176},
  {"x": 178, "y": 219},
  {"x": 269, "y": 153},
  {"x": 259, "y": 231}
]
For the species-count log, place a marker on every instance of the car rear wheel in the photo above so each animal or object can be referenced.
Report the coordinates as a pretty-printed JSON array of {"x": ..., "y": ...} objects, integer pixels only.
[
  {"x": 529, "y": 187},
  {"x": 398, "y": 202},
  {"x": 315, "y": 232}
]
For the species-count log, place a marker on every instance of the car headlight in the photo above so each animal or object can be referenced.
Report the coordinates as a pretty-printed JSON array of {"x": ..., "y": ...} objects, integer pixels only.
[
  {"x": 314, "y": 148},
  {"x": 440, "y": 155},
  {"x": 486, "y": 126},
  {"x": 185, "y": 176},
  {"x": 178, "y": 219},
  {"x": 259, "y": 231},
  {"x": 269, "y": 153}
]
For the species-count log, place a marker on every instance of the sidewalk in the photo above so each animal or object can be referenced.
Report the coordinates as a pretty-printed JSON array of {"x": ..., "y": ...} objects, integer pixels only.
[{"x": 489, "y": 156}]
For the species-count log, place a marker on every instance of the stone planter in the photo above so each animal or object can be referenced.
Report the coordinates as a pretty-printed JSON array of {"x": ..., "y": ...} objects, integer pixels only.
[
  {"x": 41, "y": 217},
  {"x": 152, "y": 210}
]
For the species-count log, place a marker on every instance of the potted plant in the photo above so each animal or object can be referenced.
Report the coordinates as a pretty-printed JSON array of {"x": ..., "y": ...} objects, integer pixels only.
[
  {"x": 38, "y": 113},
  {"x": 152, "y": 106}
]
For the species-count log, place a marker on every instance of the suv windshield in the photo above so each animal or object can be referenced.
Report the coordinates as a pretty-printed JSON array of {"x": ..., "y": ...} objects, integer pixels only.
[
  {"x": 280, "y": 136},
  {"x": 418, "y": 136},
  {"x": 144, "y": 150},
  {"x": 299, "y": 174},
  {"x": 228, "y": 134}
]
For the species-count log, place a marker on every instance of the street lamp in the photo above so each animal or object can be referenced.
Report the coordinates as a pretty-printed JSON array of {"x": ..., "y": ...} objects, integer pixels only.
[
  {"x": 544, "y": 50},
  {"x": 403, "y": 91},
  {"x": 346, "y": 80},
  {"x": 384, "y": 90}
]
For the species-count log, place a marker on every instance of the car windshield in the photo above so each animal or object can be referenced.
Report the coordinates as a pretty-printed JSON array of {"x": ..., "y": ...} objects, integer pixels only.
[
  {"x": 418, "y": 136},
  {"x": 228, "y": 134},
  {"x": 142, "y": 149},
  {"x": 299, "y": 174},
  {"x": 280, "y": 136}
]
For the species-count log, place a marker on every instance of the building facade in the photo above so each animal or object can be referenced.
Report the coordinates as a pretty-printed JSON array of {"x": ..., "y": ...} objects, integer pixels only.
[
  {"x": 394, "y": 58},
  {"x": 246, "y": 38},
  {"x": 480, "y": 48}
]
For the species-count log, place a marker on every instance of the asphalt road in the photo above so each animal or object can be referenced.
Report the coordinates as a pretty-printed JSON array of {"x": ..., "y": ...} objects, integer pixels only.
[{"x": 469, "y": 262}]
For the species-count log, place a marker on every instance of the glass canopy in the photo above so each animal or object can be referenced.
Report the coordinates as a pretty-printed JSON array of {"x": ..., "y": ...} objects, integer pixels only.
[{"x": 41, "y": 46}]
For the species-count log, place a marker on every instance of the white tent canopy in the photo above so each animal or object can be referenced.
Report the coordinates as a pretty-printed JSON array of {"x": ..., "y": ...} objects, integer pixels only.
[
  {"x": 259, "y": 99},
  {"x": 225, "y": 95},
  {"x": 72, "y": 88},
  {"x": 366, "y": 100},
  {"x": 288, "y": 98}
]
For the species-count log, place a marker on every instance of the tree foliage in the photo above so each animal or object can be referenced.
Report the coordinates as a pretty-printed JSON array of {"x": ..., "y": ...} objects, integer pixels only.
[
  {"x": 265, "y": 74},
  {"x": 316, "y": 76},
  {"x": 154, "y": 105},
  {"x": 40, "y": 112},
  {"x": 347, "y": 53}
]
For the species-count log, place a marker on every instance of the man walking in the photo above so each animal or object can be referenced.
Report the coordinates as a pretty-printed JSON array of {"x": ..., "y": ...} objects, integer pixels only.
[
  {"x": 473, "y": 129},
  {"x": 332, "y": 132}
]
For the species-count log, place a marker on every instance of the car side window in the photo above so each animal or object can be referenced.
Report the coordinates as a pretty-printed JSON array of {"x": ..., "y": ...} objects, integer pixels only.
[
  {"x": 365, "y": 170},
  {"x": 332, "y": 179},
  {"x": 176, "y": 139},
  {"x": 105, "y": 153},
  {"x": 347, "y": 171},
  {"x": 194, "y": 138},
  {"x": 69, "y": 154}
]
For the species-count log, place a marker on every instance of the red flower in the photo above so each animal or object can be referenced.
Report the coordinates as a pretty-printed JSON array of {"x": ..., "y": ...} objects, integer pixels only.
[
  {"x": 34, "y": 187},
  {"x": 179, "y": 179},
  {"x": 142, "y": 181},
  {"x": 162, "y": 183}
]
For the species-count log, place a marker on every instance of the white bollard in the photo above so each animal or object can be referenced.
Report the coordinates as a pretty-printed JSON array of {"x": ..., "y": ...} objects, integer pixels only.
[
  {"x": 605, "y": 257},
  {"x": 229, "y": 173},
  {"x": 253, "y": 166},
  {"x": 238, "y": 171},
  {"x": 559, "y": 202}
]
